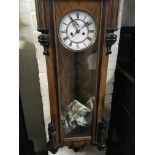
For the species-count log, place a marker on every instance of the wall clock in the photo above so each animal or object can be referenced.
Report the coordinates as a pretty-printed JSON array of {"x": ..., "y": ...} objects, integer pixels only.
[{"x": 77, "y": 36}]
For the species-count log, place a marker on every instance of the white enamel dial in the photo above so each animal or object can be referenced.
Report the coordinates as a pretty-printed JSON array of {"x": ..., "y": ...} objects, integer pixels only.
[{"x": 77, "y": 31}]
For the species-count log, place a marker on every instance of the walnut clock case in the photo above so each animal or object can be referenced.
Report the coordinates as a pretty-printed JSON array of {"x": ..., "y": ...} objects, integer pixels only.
[{"x": 77, "y": 36}]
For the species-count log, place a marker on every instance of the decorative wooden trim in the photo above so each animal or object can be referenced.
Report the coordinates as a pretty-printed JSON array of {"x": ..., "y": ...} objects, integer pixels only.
[
  {"x": 76, "y": 146},
  {"x": 54, "y": 105},
  {"x": 88, "y": 138},
  {"x": 111, "y": 38},
  {"x": 100, "y": 57},
  {"x": 52, "y": 146},
  {"x": 100, "y": 142},
  {"x": 102, "y": 74},
  {"x": 44, "y": 40},
  {"x": 45, "y": 20}
]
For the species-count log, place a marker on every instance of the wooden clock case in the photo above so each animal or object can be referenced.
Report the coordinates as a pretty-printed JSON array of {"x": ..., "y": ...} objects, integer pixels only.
[{"x": 61, "y": 63}]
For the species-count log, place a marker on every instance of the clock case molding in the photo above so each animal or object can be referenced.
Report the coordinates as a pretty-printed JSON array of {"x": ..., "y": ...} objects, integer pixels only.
[{"x": 49, "y": 13}]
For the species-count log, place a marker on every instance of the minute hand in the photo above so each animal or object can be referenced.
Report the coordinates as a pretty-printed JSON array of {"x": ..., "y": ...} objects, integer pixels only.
[
  {"x": 83, "y": 26},
  {"x": 86, "y": 24}
]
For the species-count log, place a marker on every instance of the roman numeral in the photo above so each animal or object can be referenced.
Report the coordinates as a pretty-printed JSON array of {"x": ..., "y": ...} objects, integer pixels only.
[
  {"x": 91, "y": 31},
  {"x": 84, "y": 17},
  {"x": 70, "y": 18},
  {"x": 84, "y": 44},
  {"x": 77, "y": 14},
  {"x": 89, "y": 23},
  {"x": 77, "y": 45},
  {"x": 89, "y": 38},
  {"x": 70, "y": 44},
  {"x": 63, "y": 31},
  {"x": 64, "y": 23},
  {"x": 64, "y": 39}
]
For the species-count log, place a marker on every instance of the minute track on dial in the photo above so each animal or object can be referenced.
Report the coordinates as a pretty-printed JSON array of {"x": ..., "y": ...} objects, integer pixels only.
[
  {"x": 91, "y": 31},
  {"x": 80, "y": 31}
]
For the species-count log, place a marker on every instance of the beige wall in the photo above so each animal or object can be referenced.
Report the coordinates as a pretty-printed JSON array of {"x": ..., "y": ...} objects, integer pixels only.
[
  {"x": 128, "y": 18},
  {"x": 29, "y": 80}
]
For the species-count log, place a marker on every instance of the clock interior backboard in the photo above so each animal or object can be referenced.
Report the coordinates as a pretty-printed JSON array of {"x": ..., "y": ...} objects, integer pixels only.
[{"x": 77, "y": 74}]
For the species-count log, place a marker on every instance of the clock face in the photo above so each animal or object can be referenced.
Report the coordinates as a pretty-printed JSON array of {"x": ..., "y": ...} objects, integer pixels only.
[{"x": 77, "y": 31}]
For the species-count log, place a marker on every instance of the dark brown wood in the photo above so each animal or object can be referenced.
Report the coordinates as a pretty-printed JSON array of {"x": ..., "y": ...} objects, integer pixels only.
[
  {"x": 68, "y": 75},
  {"x": 76, "y": 146},
  {"x": 44, "y": 13},
  {"x": 105, "y": 57},
  {"x": 40, "y": 14},
  {"x": 52, "y": 146},
  {"x": 111, "y": 38},
  {"x": 100, "y": 139},
  {"x": 76, "y": 139},
  {"x": 43, "y": 40}
]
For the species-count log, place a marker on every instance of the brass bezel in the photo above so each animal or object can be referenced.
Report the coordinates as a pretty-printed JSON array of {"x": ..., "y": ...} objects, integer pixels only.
[{"x": 67, "y": 46}]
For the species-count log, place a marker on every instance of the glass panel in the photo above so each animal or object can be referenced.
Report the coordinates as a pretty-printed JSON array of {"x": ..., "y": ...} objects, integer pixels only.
[{"x": 77, "y": 79}]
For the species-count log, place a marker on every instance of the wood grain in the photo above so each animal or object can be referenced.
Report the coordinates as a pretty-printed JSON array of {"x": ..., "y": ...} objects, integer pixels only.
[{"x": 104, "y": 63}]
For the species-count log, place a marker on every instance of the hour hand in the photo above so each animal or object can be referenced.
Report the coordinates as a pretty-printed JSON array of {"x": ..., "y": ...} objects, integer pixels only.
[{"x": 74, "y": 23}]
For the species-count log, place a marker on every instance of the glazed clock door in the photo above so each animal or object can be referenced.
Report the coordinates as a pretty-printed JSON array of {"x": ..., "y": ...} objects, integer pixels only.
[
  {"x": 77, "y": 36},
  {"x": 77, "y": 59}
]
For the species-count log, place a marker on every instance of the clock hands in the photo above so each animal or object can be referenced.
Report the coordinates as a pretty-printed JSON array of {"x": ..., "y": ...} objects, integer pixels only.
[
  {"x": 82, "y": 27},
  {"x": 85, "y": 24},
  {"x": 74, "y": 23}
]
